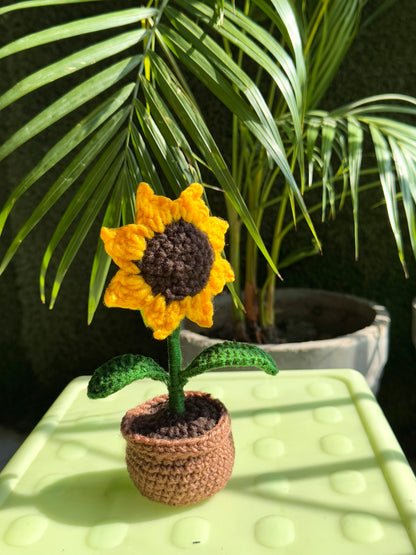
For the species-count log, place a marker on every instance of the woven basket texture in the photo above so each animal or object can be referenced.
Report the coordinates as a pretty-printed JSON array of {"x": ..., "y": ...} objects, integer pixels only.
[{"x": 184, "y": 471}]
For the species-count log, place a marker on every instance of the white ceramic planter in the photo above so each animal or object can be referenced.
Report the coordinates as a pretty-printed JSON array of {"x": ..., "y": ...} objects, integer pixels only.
[{"x": 361, "y": 325}]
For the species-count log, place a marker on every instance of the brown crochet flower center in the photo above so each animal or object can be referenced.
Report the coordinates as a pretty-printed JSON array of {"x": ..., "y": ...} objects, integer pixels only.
[{"x": 177, "y": 262}]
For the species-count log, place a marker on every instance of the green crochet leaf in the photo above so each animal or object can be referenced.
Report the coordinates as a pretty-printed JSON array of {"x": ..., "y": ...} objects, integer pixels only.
[
  {"x": 121, "y": 371},
  {"x": 230, "y": 354}
]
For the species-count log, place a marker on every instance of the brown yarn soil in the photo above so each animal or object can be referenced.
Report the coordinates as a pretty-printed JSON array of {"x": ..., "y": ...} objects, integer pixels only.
[{"x": 199, "y": 417}]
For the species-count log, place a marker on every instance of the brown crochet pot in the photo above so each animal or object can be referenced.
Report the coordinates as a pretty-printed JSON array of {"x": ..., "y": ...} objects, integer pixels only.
[{"x": 179, "y": 471}]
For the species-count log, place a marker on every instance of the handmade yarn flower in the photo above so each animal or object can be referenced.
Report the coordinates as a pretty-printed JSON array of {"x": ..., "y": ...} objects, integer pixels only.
[
  {"x": 170, "y": 260},
  {"x": 171, "y": 267}
]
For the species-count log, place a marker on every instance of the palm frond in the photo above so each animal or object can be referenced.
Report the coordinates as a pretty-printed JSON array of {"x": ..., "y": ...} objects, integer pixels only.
[
  {"x": 40, "y": 3},
  {"x": 69, "y": 176},
  {"x": 69, "y": 102},
  {"x": 394, "y": 150},
  {"x": 406, "y": 174},
  {"x": 69, "y": 142},
  {"x": 102, "y": 190},
  {"x": 388, "y": 183},
  {"x": 329, "y": 34},
  {"x": 75, "y": 28},
  {"x": 329, "y": 128},
  {"x": 355, "y": 149},
  {"x": 101, "y": 263},
  {"x": 96, "y": 183},
  {"x": 152, "y": 127},
  {"x": 71, "y": 64},
  {"x": 223, "y": 77},
  {"x": 143, "y": 121}
]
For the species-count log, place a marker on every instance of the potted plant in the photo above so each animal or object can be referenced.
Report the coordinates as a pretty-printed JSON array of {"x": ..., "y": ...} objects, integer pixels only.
[
  {"x": 318, "y": 329},
  {"x": 269, "y": 64},
  {"x": 180, "y": 448}
]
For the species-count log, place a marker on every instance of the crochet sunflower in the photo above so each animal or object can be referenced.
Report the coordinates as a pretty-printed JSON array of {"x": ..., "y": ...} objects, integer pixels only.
[
  {"x": 170, "y": 260},
  {"x": 170, "y": 267}
]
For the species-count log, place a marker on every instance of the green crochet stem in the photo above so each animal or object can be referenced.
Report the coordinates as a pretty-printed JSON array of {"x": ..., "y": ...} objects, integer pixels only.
[{"x": 176, "y": 394}]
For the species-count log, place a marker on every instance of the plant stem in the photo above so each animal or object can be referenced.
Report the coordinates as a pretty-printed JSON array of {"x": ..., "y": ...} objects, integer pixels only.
[
  {"x": 251, "y": 301},
  {"x": 234, "y": 256},
  {"x": 176, "y": 393},
  {"x": 268, "y": 314},
  {"x": 315, "y": 26}
]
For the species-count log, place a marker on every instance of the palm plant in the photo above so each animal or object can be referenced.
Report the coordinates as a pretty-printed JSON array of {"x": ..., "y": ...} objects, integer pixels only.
[{"x": 269, "y": 62}]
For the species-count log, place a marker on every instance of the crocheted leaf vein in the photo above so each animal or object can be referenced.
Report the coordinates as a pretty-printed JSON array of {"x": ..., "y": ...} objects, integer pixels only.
[
  {"x": 121, "y": 371},
  {"x": 230, "y": 354}
]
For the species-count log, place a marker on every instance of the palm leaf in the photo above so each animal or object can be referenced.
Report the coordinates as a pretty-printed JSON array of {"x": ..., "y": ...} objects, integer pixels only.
[
  {"x": 283, "y": 72},
  {"x": 162, "y": 136},
  {"x": 312, "y": 134},
  {"x": 329, "y": 36},
  {"x": 70, "y": 64},
  {"x": 188, "y": 113},
  {"x": 73, "y": 99},
  {"x": 355, "y": 147},
  {"x": 173, "y": 134},
  {"x": 218, "y": 84},
  {"x": 168, "y": 159},
  {"x": 102, "y": 261},
  {"x": 90, "y": 214},
  {"x": 387, "y": 179},
  {"x": 76, "y": 28},
  {"x": 91, "y": 182},
  {"x": 328, "y": 136},
  {"x": 40, "y": 3},
  {"x": 190, "y": 36},
  {"x": 71, "y": 140},
  {"x": 379, "y": 103},
  {"x": 281, "y": 13},
  {"x": 405, "y": 171},
  {"x": 68, "y": 177},
  {"x": 142, "y": 159},
  {"x": 401, "y": 131},
  {"x": 128, "y": 199},
  {"x": 172, "y": 150},
  {"x": 394, "y": 144}
]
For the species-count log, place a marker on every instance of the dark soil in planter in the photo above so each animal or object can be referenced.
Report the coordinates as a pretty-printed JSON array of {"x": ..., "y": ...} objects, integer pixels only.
[
  {"x": 300, "y": 316},
  {"x": 286, "y": 330},
  {"x": 199, "y": 417}
]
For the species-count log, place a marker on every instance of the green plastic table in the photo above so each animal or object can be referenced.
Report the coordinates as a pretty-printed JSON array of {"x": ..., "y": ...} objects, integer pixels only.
[{"x": 318, "y": 471}]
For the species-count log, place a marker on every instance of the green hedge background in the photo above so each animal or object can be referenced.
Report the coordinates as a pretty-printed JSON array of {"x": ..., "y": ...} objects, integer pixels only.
[{"x": 42, "y": 350}]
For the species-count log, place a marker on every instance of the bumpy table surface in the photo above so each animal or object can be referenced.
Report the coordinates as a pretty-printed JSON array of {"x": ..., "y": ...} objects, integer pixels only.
[{"x": 318, "y": 470}]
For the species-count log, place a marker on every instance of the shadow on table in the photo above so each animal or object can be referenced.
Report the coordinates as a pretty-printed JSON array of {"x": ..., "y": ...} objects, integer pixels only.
[
  {"x": 275, "y": 486},
  {"x": 107, "y": 496},
  {"x": 91, "y": 498}
]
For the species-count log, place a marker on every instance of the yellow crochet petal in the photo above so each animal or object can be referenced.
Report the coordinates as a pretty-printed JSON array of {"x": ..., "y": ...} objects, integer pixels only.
[
  {"x": 191, "y": 195},
  {"x": 216, "y": 229},
  {"x": 221, "y": 273},
  {"x": 127, "y": 291},
  {"x": 189, "y": 206},
  {"x": 153, "y": 211},
  {"x": 162, "y": 318},
  {"x": 125, "y": 244},
  {"x": 200, "y": 309}
]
